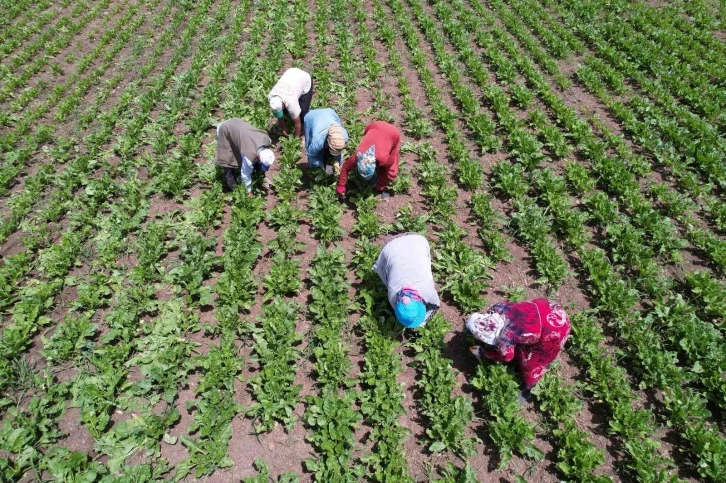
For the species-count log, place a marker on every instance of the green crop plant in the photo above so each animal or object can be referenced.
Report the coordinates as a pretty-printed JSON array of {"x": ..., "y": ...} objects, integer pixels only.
[
  {"x": 507, "y": 428},
  {"x": 464, "y": 269},
  {"x": 407, "y": 221},
  {"x": 135, "y": 293},
  {"x": 368, "y": 225},
  {"x": 276, "y": 351},
  {"x": 264, "y": 474},
  {"x": 325, "y": 214},
  {"x": 283, "y": 277},
  {"x": 447, "y": 415},
  {"x": 71, "y": 340}
]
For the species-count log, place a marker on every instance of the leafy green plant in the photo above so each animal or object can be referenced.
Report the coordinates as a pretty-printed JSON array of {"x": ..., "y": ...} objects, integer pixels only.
[
  {"x": 522, "y": 95},
  {"x": 515, "y": 293},
  {"x": 197, "y": 261},
  {"x": 326, "y": 213},
  {"x": 283, "y": 277},
  {"x": 453, "y": 474},
  {"x": 333, "y": 422},
  {"x": 402, "y": 183},
  {"x": 368, "y": 225},
  {"x": 214, "y": 410},
  {"x": 406, "y": 221},
  {"x": 469, "y": 174},
  {"x": 264, "y": 474},
  {"x": 509, "y": 179},
  {"x": 710, "y": 294},
  {"x": 71, "y": 340},
  {"x": 275, "y": 349},
  {"x": 509, "y": 430}
]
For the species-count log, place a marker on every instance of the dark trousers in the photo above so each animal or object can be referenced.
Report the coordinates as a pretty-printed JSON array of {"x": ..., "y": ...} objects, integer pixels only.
[
  {"x": 230, "y": 179},
  {"x": 305, "y": 101}
]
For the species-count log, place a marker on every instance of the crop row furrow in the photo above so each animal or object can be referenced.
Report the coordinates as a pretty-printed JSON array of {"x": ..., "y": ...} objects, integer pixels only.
[
  {"x": 59, "y": 259},
  {"x": 63, "y": 29},
  {"x": 75, "y": 175},
  {"x": 66, "y": 104},
  {"x": 274, "y": 390},
  {"x": 679, "y": 169},
  {"x": 14, "y": 82},
  {"x": 93, "y": 390},
  {"x": 686, "y": 84},
  {"x": 625, "y": 242},
  {"x": 163, "y": 356},
  {"x": 531, "y": 218},
  {"x": 22, "y": 29},
  {"x": 621, "y": 181},
  {"x": 61, "y": 148},
  {"x": 616, "y": 39}
]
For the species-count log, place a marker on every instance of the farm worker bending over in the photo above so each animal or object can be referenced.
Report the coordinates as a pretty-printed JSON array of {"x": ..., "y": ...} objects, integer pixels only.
[
  {"x": 404, "y": 265},
  {"x": 325, "y": 138},
  {"x": 291, "y": 95},
  {"x": 533, "y": 333},
  {"x": 242, "y": 146},
  {"x": 377, "y": 155}
]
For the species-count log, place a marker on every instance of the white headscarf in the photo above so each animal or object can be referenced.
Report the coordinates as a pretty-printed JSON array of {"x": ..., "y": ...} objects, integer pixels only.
[{"x": 486, "y": 327}]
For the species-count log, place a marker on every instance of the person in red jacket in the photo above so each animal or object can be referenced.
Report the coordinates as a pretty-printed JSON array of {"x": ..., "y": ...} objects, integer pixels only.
[
  {"x": 532, "y": 333},
  {"x": 377, "y": 154}
]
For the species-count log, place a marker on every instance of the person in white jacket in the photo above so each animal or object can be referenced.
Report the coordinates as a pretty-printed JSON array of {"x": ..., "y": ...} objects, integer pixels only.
[
  {"x": 404, "y": 265},
  {"x": 292, "y": 95}
]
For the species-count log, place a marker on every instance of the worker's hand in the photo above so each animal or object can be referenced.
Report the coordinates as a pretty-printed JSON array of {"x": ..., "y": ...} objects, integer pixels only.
[
  {"x": 250, "y": 194},
  {"x": 475, "y": 351}
]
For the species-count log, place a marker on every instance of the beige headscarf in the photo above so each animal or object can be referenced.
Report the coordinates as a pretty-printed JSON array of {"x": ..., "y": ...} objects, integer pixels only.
[{"x": 336, "y": 140}]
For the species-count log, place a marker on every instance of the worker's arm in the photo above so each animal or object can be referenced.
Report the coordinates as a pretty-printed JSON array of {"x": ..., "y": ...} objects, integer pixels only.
[
  {"x": 343, "y": 178},
  {"x": 283, "y": 126},
  {"x": 297, "y": 127},
  {"x": 503, "y": 351},
  {"x": 246, "y": 173}
]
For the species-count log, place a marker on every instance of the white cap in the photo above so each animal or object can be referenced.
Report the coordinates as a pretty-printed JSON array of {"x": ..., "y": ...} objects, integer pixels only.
[
  {"x": 276, "y": 103},
  {"x": 267, "y": 157}
]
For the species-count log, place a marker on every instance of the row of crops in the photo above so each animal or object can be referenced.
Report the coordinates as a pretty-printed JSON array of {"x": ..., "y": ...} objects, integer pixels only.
[{"x": 154, "y": 327}]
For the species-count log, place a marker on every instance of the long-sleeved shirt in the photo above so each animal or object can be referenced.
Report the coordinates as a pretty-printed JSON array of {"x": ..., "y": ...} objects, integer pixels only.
[
  {"x": 246, "y": 168},
  {"x": 317, "y": 124},
  {"x": 387, "y": 140},
  {"x": 293, "y": 84},
  {"x": 406, "y": 261}
]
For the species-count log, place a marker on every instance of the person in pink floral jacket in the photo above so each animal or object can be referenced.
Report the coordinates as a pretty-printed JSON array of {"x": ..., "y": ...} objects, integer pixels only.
[{"x": 532, "y": 333}]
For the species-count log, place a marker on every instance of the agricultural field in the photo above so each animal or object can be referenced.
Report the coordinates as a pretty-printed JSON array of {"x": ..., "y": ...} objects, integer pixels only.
[{"x": 156, "y": 328}]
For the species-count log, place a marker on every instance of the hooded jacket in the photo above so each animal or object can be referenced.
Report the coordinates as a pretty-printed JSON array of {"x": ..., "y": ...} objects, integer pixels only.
[{"x": 387, "y": 140}]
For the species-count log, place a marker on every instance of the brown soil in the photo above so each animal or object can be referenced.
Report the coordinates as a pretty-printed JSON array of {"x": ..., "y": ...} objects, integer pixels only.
[{"x": 285, "y": 450}]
